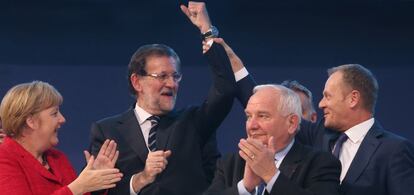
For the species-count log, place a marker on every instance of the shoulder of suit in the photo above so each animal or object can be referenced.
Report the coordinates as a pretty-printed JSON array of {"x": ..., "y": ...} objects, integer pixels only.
[
  {"x": 118, "y": 117},
  {"x": 392, "y": 139},
  {"x": 187, "y": 111},
  {"x": 311, "y": 152},
  {"x": 384, "y": 134}
]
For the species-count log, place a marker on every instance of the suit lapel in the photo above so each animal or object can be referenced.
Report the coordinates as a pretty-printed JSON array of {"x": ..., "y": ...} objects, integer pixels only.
[
  {"x": 368, "y": 147},
  {"x": 164, "y": 130},
  {"x": 291, "y": 160},
  {"x": 130, "y": 130}
]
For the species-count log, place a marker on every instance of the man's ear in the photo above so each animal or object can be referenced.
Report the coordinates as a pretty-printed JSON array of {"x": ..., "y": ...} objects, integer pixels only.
[
  {"x": 135, "y": 81},
  {"x": 293, "y": 122},
  {"x": 354, "y": 98}
]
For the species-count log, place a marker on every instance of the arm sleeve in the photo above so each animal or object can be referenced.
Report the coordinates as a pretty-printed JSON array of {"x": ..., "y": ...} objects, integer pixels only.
[
  {"x": 322, "y": 177},
  {"x": 220, "y": 96}
]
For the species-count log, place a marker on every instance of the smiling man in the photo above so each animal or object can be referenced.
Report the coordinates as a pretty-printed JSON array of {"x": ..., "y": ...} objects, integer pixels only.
[
  {"x": 270, "y": 161},
  {"x": 163, "y": 150},
  {"x": 374, "y": 160}
]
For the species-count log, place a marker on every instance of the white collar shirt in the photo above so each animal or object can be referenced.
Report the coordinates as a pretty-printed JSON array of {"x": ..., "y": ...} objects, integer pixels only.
[{"x": 356, "y": 135}]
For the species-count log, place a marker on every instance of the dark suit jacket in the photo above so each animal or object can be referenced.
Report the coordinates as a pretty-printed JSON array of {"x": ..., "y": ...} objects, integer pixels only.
[
  {"x": 383, "y": 164},
  {"x": 303, "y": 171},
  {"x": 184, "y": 132}
]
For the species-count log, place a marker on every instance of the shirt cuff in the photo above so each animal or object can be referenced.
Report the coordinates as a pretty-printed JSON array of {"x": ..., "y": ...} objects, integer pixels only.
[
  {"x": 242, "y": 190},
  {"x": 272, "y": 181},
  {"x": 239, "y": 75},
  {"x": 131, "y": 189}
]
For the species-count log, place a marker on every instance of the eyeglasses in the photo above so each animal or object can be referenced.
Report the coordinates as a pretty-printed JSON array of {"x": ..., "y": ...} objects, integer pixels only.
[{"x": 164, "y": 76}]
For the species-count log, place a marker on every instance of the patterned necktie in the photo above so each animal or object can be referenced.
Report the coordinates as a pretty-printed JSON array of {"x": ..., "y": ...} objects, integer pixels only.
[
  {"x": 152, "y": 145},
  {"x": 261, "y": 188},
  {"x": 338, "y": 144}
]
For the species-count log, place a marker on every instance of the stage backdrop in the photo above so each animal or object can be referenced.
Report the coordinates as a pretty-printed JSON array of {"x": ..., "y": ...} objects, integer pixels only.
[{"x": 82, "y": 47}]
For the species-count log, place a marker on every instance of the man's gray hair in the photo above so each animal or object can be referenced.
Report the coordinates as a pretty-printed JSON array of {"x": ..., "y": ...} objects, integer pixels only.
[{"x": 289, "y": 101}]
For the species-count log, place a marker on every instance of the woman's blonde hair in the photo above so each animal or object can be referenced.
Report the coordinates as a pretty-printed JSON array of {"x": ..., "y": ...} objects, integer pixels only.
[{"x": 25, "y": 100}]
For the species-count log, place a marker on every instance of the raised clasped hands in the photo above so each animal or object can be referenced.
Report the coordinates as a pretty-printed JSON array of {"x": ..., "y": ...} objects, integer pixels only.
[{"x": 260, "y": 162}]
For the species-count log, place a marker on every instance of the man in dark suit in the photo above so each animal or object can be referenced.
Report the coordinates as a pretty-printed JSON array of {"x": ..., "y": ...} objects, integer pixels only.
[
  {"x": 270, "y": 157},
  {"x": 161, "y": 149},
  {"x": 374, "y": 161}
]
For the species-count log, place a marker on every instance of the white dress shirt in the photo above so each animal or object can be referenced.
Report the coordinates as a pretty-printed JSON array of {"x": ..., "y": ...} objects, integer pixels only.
[
  {"x": 145, "y": 125},
  {"x": 239, "y": 75},
  {"x": 356, "y": 135},
  {"x": 279, "y": 156}
]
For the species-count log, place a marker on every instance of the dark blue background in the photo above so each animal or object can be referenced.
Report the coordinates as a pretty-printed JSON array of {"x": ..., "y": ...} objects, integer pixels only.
[{"x": 82, "y": 47}]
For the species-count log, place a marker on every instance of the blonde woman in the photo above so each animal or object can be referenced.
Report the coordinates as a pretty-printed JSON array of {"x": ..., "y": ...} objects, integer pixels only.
[{"x": 28, "y": 162}]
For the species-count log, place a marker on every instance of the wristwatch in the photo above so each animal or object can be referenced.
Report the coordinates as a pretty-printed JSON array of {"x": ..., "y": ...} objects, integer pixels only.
[{"x": 211, "y": 33}]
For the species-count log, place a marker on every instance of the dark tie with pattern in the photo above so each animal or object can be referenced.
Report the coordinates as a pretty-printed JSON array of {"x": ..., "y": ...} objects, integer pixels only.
[
  {"x": 152, "y": 141},
  {"x": 260, "y": 188},
  {"x": 338, "y": 144}
]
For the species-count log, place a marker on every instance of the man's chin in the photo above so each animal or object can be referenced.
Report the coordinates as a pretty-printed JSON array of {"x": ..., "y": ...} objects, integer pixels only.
[
  {"x": 329, "y": 125},
  {"x": 168, "y": 108}
]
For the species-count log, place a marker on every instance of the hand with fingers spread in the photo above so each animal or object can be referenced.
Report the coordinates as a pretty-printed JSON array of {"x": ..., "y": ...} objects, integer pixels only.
[
  {"x": 197, "y": 13},
  {"x": 92, "y": 180},
  {"x": 156, "y": 163},
  {"x": 107, "y": 156},
  {"x": 259, "y": 157}
]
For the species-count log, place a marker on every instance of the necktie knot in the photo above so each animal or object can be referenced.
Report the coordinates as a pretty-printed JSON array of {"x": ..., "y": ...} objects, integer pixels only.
[
  {"x": 338, "y": 144},
  {"x": 154, "y": 120}
]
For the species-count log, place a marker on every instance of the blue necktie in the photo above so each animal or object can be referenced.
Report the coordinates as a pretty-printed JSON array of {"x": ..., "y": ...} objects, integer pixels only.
[
  {"x": 338, "y": 144},
  {"x": 152, "y": 144},
  {"x": 261, "y": 188}
]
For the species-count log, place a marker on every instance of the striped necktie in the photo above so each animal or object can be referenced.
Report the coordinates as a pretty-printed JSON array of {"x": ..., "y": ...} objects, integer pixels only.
[{"x": 152, "y": 145}]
